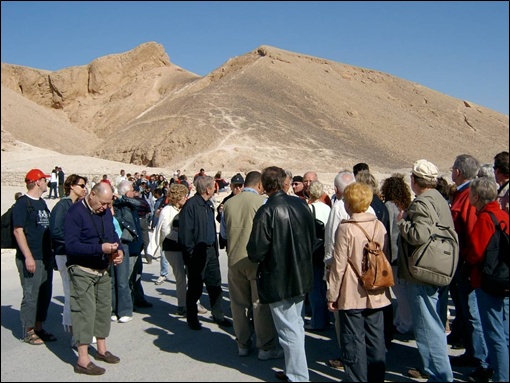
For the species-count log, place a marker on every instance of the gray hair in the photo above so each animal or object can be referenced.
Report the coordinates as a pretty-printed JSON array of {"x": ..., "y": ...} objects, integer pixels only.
[
  {"x": 343, "y": 179},
  {"x": 202, "y": 183},
  {"x": 467, "y": 165},
  {"x": 124, "y": 186},
  {"x": 316, "y": 189},
  {"x": 485, "y": 188},
  {"x": 289, "y": 174},
  {"x": 486, "y": 170}
]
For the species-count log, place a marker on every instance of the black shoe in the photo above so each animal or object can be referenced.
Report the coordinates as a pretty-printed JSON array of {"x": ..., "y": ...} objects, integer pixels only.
[
  {"x": 481, "y": 374},
  {"x": 195, "y": 325},
  {"x": 464, "y": 361},
  {"x": 224, "y": 322},
  {"x": 143, "y": 304},
  {"x": 452, "y": 339}
]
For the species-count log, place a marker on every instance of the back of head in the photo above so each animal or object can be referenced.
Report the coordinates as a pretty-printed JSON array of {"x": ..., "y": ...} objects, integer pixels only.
[
  {"x": 252, "y": 178},
  {"x": 343, "y": 179},
  {"x": 485, "y": 170},
  {"x": 202, "y": 183},
  {"x": 358, "y": 196},
  {"x": 273, "y": 179},
  {"x": 395, "y": 189},
  {"x": 359, "y": 167},
  {"x": 316, "y": 189},
  {"x": 485, "y": 188},
  {"x": 124, "y": 186},
  {"x": 366, "y": 177}
]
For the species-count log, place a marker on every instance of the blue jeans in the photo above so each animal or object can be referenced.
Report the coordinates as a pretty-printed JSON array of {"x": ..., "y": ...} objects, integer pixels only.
[
  {"x": 320, "y": 318},
  {"x": 122, "y": 303},
  {"x": 474, "y": 341},
  {"x": 164, "y": 265},
  {"x": 291, "y": 332},
  {"x": 494, "y": 318},
  {"x": 427, "y": 305}
]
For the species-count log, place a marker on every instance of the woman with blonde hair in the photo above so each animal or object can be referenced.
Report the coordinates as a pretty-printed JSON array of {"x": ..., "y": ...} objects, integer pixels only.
[
  {"x": 360, "y": 311},
  {"x": 166, "y": 238}
]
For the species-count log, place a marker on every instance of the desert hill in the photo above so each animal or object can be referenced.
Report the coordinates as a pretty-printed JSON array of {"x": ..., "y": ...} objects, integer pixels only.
[{"x": 269, "y": 106}]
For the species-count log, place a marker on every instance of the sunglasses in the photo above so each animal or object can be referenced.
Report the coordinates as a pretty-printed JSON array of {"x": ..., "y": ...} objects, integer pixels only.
[
  {"x": 295, "y": 183},
  {"x": 83, "y": 186}
]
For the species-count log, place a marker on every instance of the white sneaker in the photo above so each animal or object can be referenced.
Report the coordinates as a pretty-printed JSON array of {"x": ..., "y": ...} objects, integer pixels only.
[
  {"x": 271, "y": 354},
  {"x": 201, "y": 309},
  {"x": 125, "y": 319},
  {"x": 114, "y": 318},
  {"x": 160, "y": 280}
]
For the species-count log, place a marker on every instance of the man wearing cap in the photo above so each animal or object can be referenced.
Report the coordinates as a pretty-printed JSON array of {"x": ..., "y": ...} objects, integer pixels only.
[
  {"x": 236, "y": 187},
  {"x": 298, "y": 187},
  {"x": 428, "y": 302},
  {"x": 34, "y": 260}
]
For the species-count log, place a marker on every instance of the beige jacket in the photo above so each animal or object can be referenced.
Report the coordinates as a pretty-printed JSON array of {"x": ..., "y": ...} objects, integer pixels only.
[{"x": 344, "y": 287}]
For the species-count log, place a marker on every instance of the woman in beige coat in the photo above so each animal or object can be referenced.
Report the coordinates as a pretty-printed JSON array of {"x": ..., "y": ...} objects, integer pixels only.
[{"x": 360, "y": 311}]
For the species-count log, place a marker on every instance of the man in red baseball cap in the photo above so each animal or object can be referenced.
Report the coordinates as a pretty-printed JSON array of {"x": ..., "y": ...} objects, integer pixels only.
[
  {"x": 34, "y": 260},
  {"x": 35, "y": 175}
]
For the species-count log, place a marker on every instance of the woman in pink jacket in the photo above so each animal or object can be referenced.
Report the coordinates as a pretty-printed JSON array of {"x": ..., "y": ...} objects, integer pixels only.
[{"x": 360, "y": 311}]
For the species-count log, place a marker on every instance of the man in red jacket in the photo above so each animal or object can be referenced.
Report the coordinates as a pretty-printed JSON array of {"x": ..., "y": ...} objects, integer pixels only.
[{"x": 464, "y": 170}]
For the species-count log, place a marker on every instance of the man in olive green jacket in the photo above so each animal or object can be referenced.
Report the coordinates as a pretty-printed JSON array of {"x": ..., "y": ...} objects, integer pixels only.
[{"x": 237, "y": 222}]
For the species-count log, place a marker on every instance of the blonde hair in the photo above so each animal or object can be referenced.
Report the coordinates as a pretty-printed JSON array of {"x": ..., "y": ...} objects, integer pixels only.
[
  {"x": 358, "y": 196},
  {"x": 176, "y": 192},
  {"x": 316, "y": 189}
]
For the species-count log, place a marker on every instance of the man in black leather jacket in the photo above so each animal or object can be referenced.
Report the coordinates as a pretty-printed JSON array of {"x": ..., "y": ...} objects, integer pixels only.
[{"x": 281, "y": 241}]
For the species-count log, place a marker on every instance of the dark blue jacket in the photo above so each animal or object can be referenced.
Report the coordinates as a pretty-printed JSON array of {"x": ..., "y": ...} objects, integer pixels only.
[{"x": 84, "y": 233}]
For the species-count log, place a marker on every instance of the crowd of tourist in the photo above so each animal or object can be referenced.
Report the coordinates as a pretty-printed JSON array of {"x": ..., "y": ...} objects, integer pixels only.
[{"x": 99, "y": 231}]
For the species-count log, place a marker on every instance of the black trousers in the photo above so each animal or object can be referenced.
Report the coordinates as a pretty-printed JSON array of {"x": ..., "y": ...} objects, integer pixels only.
[
  {"x": 203, "y": 267},
  {"x": 363, "y": 348}
]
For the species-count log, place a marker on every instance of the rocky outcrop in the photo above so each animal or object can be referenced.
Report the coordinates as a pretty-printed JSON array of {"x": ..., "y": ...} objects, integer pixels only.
[{"x": 269, "y": 106}]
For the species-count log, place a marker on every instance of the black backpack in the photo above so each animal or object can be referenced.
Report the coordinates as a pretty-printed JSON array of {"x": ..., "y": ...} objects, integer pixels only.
[
  {"x": 8, "y": 240},
  {"x": 495, "y": 265},
  {"x": 318, "y": 249}
]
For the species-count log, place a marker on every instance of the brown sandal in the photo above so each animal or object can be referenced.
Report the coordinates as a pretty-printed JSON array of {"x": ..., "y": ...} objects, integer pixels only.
[{"x": 32, "y": 338}]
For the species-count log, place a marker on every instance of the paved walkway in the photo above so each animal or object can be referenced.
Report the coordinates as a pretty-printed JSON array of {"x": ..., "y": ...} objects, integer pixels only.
[{"x": 158, "y": 346}]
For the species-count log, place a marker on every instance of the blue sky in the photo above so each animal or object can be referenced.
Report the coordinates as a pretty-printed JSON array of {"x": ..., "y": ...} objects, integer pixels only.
[{"x": 457, "y": 48}]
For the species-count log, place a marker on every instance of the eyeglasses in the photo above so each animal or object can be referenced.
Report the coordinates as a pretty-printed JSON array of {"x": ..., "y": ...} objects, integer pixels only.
[
  {"x": 238, "y": 186},
  {"x": 83, "y": 186}
]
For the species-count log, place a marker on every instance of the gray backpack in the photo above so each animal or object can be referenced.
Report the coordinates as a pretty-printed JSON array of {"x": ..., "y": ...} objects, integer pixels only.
[{"x": 435, "y": 261}]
